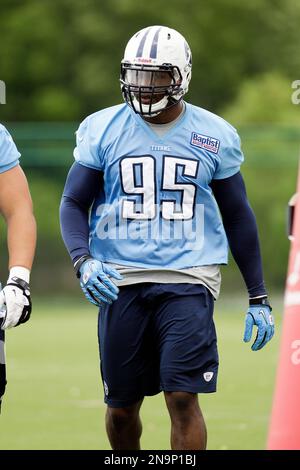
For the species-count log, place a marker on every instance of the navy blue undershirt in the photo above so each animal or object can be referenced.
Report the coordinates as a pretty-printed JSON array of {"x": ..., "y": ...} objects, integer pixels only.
[
  {"x": 241, "y": 230},
  {"x": 83, "y": 184},
  {"x": 81, "y": 188}
]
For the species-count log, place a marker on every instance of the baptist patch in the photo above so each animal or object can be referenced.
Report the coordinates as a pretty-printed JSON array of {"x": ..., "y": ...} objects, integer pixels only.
[{"x": 204, "y": 141}]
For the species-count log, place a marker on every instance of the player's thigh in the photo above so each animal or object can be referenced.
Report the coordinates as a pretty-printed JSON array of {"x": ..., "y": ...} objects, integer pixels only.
[
  {"x": 187, "y": 339},
  {"x": 123, "y": 333}
]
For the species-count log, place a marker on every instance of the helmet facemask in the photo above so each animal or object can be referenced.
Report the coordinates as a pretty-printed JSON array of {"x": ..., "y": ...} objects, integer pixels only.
[{"x": 150, "y": 89}]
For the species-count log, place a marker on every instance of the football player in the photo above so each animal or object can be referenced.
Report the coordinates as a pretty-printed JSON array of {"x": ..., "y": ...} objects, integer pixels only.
[
  {"x": 140, "y": 216},
  {"x": 16, "y": 208}
]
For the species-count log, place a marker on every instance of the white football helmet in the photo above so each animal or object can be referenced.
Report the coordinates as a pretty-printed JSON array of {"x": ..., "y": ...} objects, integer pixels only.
[{"x": 156, "y": 70}]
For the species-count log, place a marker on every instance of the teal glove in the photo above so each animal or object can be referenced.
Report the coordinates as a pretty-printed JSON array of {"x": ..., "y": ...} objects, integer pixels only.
[
  {"x": 95, "y": 281},
  {"x": 259, "y": 314}
]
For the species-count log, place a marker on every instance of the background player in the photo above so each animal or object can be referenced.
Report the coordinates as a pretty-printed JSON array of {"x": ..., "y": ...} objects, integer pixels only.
[
  {"x": 16, "y": 208},
  {"x": 152, "y": 170}
]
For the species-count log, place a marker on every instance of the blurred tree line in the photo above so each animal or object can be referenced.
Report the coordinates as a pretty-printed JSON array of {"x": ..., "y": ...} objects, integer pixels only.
[{"x": 60, "y": 61}]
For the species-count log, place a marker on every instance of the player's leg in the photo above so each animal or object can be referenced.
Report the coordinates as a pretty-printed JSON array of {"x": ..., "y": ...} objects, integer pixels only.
[
  {"x": 188, "y": 358},
  {"x": 124, "y": 427},
  {"x": 2, "y": 366},
  {"x": 126, "y": 366},
  {"x": 188, "y": 429}
]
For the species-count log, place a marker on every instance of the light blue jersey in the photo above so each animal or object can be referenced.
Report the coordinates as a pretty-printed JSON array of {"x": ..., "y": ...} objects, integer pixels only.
[
  {"x": 9, "y": 155},
  {"x": 157, "y": 209}
]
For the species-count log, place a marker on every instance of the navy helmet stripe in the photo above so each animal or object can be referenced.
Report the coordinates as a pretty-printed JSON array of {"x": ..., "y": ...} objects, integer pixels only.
[
  {"x": 153, "y": 52},
  {"x": 142, "y": 43}
]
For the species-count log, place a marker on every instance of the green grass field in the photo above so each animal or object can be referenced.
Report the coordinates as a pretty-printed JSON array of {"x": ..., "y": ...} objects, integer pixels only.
[{"x": 54, "y": 394}]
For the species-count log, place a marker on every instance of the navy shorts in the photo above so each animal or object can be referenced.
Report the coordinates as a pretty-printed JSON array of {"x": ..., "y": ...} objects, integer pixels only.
[{"x": 157, "y": 337}]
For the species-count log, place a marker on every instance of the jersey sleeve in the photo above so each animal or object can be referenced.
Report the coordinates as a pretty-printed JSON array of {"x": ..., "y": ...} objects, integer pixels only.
[
  {"x": 230, "y": 159},
  {"x": 9, "y": 155},
  {"x": 87, "y": 150}
]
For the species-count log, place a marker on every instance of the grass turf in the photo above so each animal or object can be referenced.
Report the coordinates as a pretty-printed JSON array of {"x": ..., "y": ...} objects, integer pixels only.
[{"x": 54, "y": 395}]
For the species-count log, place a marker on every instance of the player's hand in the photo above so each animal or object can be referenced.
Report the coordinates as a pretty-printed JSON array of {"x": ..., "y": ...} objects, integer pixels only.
[
  {"x": 260, "y": 316},
  {"x": 15, "y": 303},
  {"x": 96, "y": 283}
]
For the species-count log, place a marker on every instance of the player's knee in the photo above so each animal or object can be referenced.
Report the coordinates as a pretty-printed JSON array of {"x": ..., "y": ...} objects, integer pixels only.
[
  {"x": 181, "y": 403},
  {"x": 121, "y": 418}
]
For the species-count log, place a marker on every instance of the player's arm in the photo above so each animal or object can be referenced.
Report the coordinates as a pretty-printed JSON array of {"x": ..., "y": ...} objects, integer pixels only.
[
  {"x": 81, "y": 188},
  {"x": 16, "y": 208},
  {"x": 242, "y": 234}
]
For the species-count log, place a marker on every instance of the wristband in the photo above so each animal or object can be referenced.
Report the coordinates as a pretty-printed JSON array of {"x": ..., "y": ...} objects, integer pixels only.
[{"x": 79, "y": 263}]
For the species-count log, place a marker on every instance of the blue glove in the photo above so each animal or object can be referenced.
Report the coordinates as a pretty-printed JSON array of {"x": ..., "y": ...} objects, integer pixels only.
[
  {"x": 95, "y": 283},
  {"x": 259, "y": 315}
]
